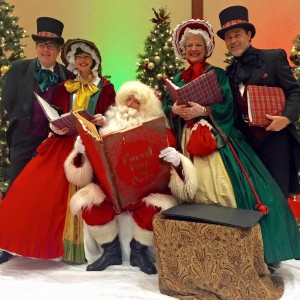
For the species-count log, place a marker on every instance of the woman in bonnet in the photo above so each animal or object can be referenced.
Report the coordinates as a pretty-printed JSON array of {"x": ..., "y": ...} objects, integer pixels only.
[
  {"x": 33, "y": 213},
  {"x": 230, "y": 174}
]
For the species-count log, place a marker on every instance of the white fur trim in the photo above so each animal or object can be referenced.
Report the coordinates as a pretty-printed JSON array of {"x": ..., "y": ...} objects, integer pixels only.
[
  {"x": 80, "y": 176},
  {"x": 104, "y": 233},
  {"x": 145, "y": 237},
  {"x": 202, "y": 122},
  {"x": 160, "y": 200},
  {"x": 86, "y": 197},
  {"x": 120, "y": 116},
  {"x": 150, "y": 105},
  {"x": 185, "y": 189}
]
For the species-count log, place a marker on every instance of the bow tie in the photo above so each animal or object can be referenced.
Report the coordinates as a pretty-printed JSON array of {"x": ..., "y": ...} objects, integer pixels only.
[
  {"x": 84, "y": 91},
  {"x": 240, "y": 70},
  {"x": 45, "y": 78}
]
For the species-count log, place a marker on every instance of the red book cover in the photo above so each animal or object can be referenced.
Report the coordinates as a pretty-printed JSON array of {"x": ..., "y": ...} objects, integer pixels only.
[
  {"x": 126, "y": 162},
  {"x": 264, "y": 100},
  {"x": 204, "y": 90}
]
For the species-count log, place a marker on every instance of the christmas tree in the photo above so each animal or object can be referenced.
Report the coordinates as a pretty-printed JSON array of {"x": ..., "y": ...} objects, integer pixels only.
[
  {"x": 159, "y": 60},
  {"x": 10, "y": 50},
  {"x": 295, "y": 58}
]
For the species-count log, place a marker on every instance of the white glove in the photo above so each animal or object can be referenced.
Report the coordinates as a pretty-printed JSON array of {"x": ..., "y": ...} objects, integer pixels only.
[
  {"x": 170, "y": 155},
  {"x": 79, "y": 145}
]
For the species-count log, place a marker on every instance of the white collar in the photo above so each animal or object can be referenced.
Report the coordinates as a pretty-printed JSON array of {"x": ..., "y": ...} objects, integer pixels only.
[{"x": 50, "y": 69}]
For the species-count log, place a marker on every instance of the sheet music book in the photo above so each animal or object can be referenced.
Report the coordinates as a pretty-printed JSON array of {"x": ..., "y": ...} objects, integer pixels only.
[
  {"x": 126, "y": 162},
  {"x": 264, "y": 100},
  {"x": 204, "y": 90},
  {"x": 65, "y": 120}
]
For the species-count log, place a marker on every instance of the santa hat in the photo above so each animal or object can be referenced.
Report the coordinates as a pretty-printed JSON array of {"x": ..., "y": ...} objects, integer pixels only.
[
  {"x": 150, "y": 107},
  {"x": 193, "y": 26}
]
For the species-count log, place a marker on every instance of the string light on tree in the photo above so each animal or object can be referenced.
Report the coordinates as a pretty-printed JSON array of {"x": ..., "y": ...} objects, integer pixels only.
[{"x": 10, "y": 50}]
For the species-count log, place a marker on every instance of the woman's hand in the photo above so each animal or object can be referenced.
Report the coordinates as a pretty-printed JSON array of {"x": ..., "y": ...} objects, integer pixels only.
[
  {"x": 99, "y": 120},
  {"x": 193, "y": 111},
  {"x": 58, "y": 131},
  {"x": 178, "y": 109}
]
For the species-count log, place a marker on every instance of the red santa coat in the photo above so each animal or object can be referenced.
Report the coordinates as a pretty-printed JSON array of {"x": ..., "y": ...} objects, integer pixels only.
[{"x": 96, "y": 208}]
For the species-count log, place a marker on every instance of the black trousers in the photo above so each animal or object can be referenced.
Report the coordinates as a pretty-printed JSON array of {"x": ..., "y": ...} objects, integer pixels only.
[
  {"x": 279, "y": 155},
  {"x": 23, "y": 147}
]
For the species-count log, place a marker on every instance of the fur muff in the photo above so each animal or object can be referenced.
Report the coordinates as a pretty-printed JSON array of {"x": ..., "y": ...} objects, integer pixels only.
[
  {"x": 78, "y": 175},
  {"x": 86, "y": 197},
  {"x": 184, "y": 190}
]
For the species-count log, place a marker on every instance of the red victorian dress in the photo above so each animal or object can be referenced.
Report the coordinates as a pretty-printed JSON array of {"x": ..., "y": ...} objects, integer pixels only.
[{"x": 33, "y": 213}]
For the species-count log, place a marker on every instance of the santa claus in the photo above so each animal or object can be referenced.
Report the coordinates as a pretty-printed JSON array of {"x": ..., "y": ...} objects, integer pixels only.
[{"x": 135, "y": 103}]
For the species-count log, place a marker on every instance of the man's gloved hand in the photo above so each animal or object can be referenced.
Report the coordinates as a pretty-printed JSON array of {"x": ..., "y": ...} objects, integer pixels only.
[
  {"x": 170, "y": 155},
  {"x": 79, "y": 145}
]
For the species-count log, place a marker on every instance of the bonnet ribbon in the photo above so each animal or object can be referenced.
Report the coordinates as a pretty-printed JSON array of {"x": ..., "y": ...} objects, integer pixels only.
[{"x": 194, "y": 71}]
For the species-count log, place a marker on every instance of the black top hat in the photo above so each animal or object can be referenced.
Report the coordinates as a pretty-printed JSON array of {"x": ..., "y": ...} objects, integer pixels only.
[
  {"x": 234, "y": 17},
  {"x": 49, "y": 29}
]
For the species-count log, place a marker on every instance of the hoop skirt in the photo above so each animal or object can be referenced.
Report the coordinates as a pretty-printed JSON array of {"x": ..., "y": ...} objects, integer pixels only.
[{"x": 32, "y": 225}]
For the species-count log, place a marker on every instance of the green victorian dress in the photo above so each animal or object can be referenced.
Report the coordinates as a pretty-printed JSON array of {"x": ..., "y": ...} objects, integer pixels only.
[{"x": 222, "y": 181}]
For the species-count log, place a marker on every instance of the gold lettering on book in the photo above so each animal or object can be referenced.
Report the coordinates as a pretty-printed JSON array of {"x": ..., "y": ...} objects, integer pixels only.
[{"x": 139, "y": 164}]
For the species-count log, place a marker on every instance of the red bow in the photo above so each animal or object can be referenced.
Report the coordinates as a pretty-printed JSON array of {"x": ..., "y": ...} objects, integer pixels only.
[{"x": 193, "y": 71}]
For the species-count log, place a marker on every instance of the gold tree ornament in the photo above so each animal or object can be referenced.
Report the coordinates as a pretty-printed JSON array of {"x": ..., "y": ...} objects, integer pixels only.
[
  {"x": 4, "y": 69},
  {"x": 157, "y": 59},
  {"x": 294, "y": 51},
  {"x": 151, "y": 66},
  {"x": 166, "y": 47}
]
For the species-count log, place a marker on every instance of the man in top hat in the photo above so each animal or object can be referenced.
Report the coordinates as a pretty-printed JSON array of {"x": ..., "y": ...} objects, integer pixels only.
[
  {"x": 278, "y": 145},
  {"x": 28, "y": 125}
]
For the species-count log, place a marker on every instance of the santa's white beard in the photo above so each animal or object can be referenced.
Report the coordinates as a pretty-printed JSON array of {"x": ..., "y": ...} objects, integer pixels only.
[{"x": 121, "y": 117}]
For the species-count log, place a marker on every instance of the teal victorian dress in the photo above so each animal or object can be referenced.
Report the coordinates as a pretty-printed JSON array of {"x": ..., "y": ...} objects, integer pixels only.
[{"x": 281, "y": 237}]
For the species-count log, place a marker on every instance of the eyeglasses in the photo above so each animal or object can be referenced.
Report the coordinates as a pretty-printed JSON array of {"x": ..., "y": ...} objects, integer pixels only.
[
  {"x": 83, "y": 57},
  {"x": 49, "y": 46}
]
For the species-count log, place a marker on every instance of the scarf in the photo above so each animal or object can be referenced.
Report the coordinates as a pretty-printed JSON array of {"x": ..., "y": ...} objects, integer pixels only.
[
  {"x": 194, "y": 71},
  {"x": 44, "y": 78},
  {"x": 240, "y": 69},
  {"x": 84, "y": 92}
]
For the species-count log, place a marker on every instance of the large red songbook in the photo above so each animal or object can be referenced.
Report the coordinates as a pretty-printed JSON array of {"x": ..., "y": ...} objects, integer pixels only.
[
  {"x": 264, "y": 100},
  {"x": 126, "y": 162},
  {"x": 204, "y": 90}
]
